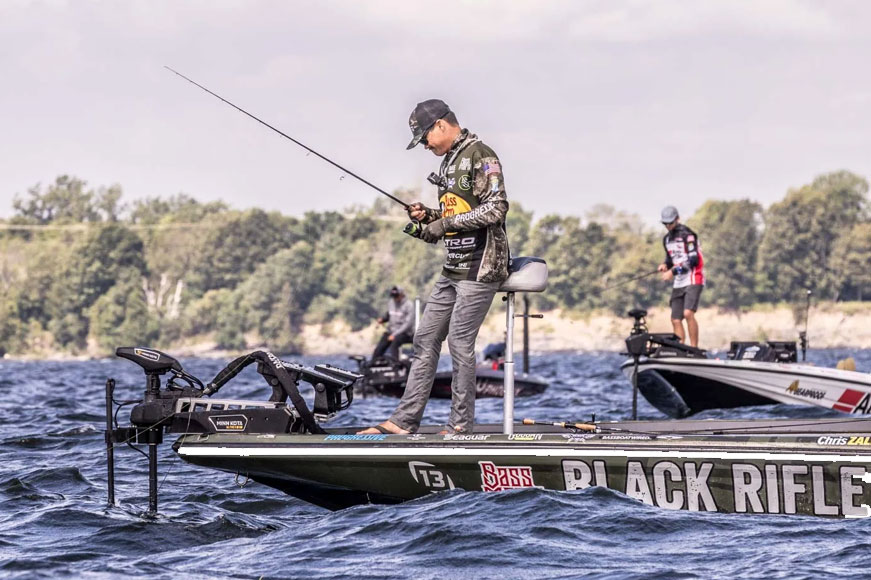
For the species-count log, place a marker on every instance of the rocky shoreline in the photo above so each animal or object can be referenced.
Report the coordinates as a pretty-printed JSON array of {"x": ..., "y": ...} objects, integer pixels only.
[{"x": 832, "y": 325}]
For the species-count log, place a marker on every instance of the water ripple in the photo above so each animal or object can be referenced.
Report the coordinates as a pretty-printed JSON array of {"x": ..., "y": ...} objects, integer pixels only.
[{"x": 54, "y": 521}]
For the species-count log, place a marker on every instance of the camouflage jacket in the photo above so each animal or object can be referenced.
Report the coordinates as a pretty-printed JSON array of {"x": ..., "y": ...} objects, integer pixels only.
[{"x": 473, "y": 204}]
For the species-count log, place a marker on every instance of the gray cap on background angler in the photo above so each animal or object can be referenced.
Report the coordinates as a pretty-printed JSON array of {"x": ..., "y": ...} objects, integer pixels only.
[
  {"x": 668, "y": 214},
  {"x": 423, "y": 117}
]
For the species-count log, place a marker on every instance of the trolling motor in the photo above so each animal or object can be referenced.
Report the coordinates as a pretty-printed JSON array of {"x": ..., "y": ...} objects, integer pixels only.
[
  {"x": 149, "y": 415},
  {"x": 185, "y": 406},
  {"x": 640, "y": 325},
  {"x": 636, "y": 346}
]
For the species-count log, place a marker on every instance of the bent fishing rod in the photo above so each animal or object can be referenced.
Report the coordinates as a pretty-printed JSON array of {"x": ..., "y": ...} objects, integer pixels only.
[
  {"x": 283, "y": 134},
  {"x": 622, "y": 282}
]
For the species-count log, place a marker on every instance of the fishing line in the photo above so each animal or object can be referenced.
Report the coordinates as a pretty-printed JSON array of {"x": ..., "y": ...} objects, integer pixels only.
[
  {"x": 623, "y": 282},
  {"x": 283, "y": 134}
]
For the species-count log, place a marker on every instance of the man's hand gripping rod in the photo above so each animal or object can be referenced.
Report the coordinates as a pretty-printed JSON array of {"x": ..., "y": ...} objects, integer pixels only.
[{"x": 409, "y": 229}]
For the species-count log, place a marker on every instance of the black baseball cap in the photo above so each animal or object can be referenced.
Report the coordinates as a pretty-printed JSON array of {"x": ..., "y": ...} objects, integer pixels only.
[{"x": 423, "y": 117}]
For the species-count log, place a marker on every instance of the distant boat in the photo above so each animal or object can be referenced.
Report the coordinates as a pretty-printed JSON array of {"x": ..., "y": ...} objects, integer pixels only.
[
  {"x": 680, "y": 380},
  {"x": 386, "y": 376}
]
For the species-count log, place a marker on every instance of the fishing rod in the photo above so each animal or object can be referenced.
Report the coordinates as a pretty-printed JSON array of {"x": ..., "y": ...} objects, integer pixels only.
[
  {"x": 283, "y": 134},
  {"x": 563, "y": 424},
  {"x": 621, "y": 283}
]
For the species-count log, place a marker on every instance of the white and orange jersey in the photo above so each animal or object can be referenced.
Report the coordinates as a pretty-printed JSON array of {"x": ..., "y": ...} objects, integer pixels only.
[{"x": 682, "y": 249}]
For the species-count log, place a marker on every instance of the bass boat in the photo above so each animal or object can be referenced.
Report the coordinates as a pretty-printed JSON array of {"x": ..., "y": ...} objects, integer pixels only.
[
  {"x": 816, "y": 467},
  {"x": 387, "y": 376},
  {"x": 680, "y": 380}
]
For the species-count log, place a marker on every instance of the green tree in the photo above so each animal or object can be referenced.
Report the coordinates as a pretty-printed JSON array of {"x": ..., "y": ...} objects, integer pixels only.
[
  {"x": 631, "y": 256},
  {"x": 120, "y": 316},
  {"x": 235, "y": 244},
  {"x": 94, "y": 268},
  {"x": 851, "y": 262},
  {"x": 12, "y": 330},
  {"x": 179, "y": 208},
  {"x": 729, "y": 234},
  {"x": 67, "y": 201},
  {"x": 277, "y": 295},
  {"x": 518, "y": 223},
  {"x": 801, "y": 232}
]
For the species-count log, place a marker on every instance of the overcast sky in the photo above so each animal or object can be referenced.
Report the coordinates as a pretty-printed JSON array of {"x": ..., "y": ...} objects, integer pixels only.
[{"x": 634, "y": 104}]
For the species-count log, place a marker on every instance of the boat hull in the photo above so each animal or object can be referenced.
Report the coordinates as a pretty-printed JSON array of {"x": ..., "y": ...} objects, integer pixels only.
[
  {"x": 680, "y": 387},
  {"x": 812, "y": 474}
]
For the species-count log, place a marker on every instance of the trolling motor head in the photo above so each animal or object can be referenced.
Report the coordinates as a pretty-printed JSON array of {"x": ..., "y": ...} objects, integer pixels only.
[
  {"x": 157, "y": 406},
  {"x": 640, "y": 325}
]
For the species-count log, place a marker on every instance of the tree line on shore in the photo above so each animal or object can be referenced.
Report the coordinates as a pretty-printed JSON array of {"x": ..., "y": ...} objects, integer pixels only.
[{"x": 82, "y": 271}]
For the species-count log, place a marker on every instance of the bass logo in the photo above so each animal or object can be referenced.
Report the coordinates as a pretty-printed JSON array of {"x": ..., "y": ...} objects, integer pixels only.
[
  {"x": 499, "y": 478},
  {"x": 429, "y": 476}
]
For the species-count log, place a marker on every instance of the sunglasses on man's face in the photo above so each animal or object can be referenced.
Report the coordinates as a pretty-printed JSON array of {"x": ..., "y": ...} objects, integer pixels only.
[{"x": 425, "y": 138}]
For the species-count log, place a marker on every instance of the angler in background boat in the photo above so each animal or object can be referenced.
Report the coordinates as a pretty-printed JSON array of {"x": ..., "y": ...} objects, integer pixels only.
[
  {"x": 684, "y": 263},
  {"x": 399, "y": 318}
]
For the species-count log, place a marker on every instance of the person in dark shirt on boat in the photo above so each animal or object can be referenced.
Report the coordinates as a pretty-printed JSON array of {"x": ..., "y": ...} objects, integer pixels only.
[
  {"x": 470, "y": 221},
  {"x": 683, "y": 263},
  {"x": 400, "y": 325}
]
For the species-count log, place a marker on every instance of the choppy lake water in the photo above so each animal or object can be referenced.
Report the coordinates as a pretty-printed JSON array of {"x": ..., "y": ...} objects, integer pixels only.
[{"x": 54, "y": 521}]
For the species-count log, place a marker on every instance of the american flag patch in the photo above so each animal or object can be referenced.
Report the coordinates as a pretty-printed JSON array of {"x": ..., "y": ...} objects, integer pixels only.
[{"x": 492, "y": 167}]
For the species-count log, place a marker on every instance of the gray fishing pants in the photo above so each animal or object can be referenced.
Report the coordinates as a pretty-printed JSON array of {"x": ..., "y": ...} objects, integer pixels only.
[{"x": 455, "y": 310}]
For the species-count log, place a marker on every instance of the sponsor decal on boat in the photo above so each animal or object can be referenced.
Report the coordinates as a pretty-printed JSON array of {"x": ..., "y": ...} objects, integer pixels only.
[
  {"x": 795, "y": 390},
  {"x": 416, "y": 437},
  {"x": 759, "y": 487},
  {"x": 458, "y": 437},
  {"x": 373, "y": 437},
  {"x": 149, "y": 354},
  {"x": 636, "y": 437},
  {"x": 232, "y": 423},
  {"x": 525, "y": 437},
  {"x": 578, "y": 436},
  {"x": 429, "y": 476},
  {"x": 853, "y": 401},
  {"x": 844, "y": 440},
  {"x": 500, "y": 477},
  {"x": 579, "y": 474},
  {"x": 864, "y": 406}
]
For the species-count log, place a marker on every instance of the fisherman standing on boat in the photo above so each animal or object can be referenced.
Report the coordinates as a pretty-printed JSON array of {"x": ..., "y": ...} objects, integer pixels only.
[
  {"x": 471, "y": 222},
  {"x": 684, "y": 263},
  {"x": 400, "y": 325}
]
